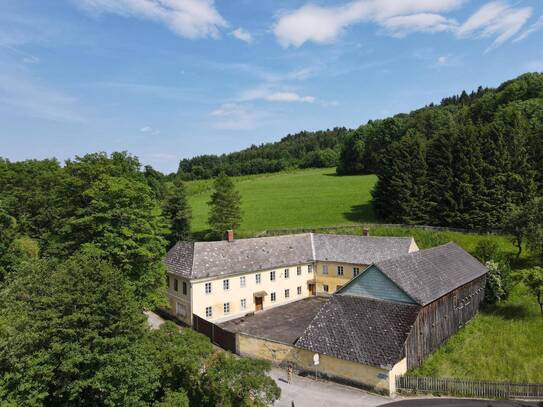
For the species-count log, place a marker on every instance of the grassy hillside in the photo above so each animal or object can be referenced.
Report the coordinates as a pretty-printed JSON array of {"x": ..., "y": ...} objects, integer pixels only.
[{"x": 304, "y": 198}]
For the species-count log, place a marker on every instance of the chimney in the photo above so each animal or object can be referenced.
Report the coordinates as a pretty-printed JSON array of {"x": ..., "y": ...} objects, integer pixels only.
[
  {"x": 365, "y": 232},
  {"x": 230, "y": 235}
]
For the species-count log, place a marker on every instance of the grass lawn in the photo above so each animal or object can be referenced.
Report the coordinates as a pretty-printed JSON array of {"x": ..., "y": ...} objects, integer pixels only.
[
  {"x": 303, "y": 198},
  {"x": 502, "y": 343}
]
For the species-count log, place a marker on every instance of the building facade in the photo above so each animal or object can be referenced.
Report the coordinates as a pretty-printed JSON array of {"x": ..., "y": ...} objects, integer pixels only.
[{"x": 223, "y": 280}]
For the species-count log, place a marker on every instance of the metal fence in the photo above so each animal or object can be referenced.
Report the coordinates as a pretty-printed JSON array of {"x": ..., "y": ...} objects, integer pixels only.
[{"x": 469, "y": 388}]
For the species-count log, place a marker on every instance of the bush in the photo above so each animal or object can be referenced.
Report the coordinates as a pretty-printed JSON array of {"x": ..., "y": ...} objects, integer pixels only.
[
  {"x": 487, "y": 250},
  {"x": 498, "y": 283}
]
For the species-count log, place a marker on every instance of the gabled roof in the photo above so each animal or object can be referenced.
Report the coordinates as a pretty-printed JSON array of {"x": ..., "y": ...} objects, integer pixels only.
[
  {"x": 208, "y": 259},
  {"x": 359, "y": 329},
  {"x": 429, "y": 274}
]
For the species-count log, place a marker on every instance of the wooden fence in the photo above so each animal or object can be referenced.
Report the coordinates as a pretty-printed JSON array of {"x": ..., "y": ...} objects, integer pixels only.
[
  {"x": 221, "y": 337},
  {"x": 469, "y": 388}
]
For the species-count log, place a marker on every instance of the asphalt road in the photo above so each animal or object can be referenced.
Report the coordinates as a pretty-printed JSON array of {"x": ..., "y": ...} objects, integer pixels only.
[{"x": 439, "y": 402}]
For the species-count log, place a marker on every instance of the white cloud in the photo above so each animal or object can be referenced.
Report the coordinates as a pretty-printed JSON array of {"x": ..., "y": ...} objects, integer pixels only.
[
  {"x": 150, "y": 130},
  {"x": 324, "y": 24},
  {"x": 532, "y": 29},
  {"x": 235, "y": 116},
  {"x": 495, "y": 19},
  {"x": 187, "y": 18},
  {"x": 242, "y": 35},
  {"x": 400, "y": 26},
  {"x": 31, "y": 99},
  {"x": 274, "y": 96}
]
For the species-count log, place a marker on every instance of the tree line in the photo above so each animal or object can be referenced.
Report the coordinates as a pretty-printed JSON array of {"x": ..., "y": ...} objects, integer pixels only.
[
  {"x": 306, "y": 149},
  {"x": 81, "y": 256}
]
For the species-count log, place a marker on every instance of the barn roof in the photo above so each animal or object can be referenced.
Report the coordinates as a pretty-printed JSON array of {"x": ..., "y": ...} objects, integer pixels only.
[
  {"x": 360, "y": 329},
  {"x": 208, "y": 259},
  {"x": 427, "y": 275}
]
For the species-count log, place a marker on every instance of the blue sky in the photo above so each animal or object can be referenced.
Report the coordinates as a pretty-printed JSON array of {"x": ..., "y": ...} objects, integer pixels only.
[{"x": 168, "y": 79}]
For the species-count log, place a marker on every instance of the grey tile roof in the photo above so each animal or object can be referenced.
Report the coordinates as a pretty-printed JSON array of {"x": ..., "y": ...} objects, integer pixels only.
[
  {"x": 429, "y": 274},
  {"x": 359, "y": 249},
  {"x": 359, "y": 329},
  {"x": 207, "y": 259}
]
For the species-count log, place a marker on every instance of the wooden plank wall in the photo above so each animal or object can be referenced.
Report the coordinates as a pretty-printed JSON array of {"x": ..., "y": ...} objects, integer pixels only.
[{"x": 441, "y": 319}]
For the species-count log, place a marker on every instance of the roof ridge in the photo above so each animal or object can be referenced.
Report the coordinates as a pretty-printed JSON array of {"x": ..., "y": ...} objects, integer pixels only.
[{"x": 313, "y": 253}]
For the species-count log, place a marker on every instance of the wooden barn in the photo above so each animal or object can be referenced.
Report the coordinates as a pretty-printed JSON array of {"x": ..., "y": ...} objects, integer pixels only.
[{"x": 400, "y": 310}]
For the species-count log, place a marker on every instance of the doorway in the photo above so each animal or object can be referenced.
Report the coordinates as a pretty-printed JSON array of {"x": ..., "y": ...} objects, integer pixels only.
[
  {"x": 313, "y": 289},
  {"x": 258, "y": 303}
]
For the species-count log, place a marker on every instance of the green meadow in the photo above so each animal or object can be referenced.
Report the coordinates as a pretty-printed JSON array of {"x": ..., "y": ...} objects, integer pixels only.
[{"x": 304, "y": 198}]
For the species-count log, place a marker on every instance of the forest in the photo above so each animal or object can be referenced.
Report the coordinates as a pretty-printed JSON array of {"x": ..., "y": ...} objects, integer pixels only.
[
  {"x": 301, "y": 150},
  {"x": 470, "y": 162}
]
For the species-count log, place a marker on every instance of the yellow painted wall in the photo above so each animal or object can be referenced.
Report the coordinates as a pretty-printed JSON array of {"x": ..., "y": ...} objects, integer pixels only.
[
  {"x": 378, "y": 379},
  {"x": 219, "y": 296},
  {"x": 178, "y": 297},
  {"x": 332, "y": 279}
]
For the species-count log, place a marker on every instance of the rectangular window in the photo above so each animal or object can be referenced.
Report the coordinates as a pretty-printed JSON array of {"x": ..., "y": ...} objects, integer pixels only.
[
  {"x": 226, "y": 307},
  {"x": 272, "y": 275},
  {"x": 209, "y": 312},
  {"x": 272, "y": 297},
  {"x": 242, "y": 281},
  {"x": 325, "y": 288},
  {"x": 226, "y": 285},
  {"x": 299, "y": 290},
  {"x": 287, "y": 273},
  {"x": 299, "y": 270},
  {"x": 168, "y": 281},
  {"x": 184, "y": 288},
  {"x": 208, "y": 288},
  {"x": 356, "y": 271},
  {"x": 339, "y": 270},
  {"x": 310, "y": 268},
  {"x": 175, "y": 284},
  {"x": 325, "y": 269},
  {"x": 243, "y": 304},
  {"x": 257, "y": 278},
  {"x": 287, "y": 293}
]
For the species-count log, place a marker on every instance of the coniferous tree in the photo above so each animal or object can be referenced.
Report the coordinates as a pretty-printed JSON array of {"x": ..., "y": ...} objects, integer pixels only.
[
  {"x": 225, "y": 206},
  {"x": 178, "y": 213}
]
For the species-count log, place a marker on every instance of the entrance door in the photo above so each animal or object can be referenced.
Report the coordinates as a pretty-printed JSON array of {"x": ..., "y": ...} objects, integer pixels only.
[
  {"x": 258, "y": 304},
  {"x": 313, "y": 289}
]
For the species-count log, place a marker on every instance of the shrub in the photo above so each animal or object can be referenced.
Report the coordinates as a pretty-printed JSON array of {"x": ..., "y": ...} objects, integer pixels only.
[
  {"x": 498, "y": 282},
  {"x": 487, "y": 250}
]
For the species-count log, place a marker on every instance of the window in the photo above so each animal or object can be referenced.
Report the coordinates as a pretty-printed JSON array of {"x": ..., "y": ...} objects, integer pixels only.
[
  {"x": 180, "y": 310},
  {"x": 272, "y": 297},
  {"x": 168, "y": 281},
  {"x": 272, "y": 275},
  {"x": 287, "y": 273},
  {"x": 208, "y": 288},
  {"x": 356, "y": 271},
  {"x": 287, "y": 293},
  {"x": 226, "y": 307},
  {"x": 257, "y": 278},
  {"x": 325, "y": 269},
  {"x": 242, "y": 281},
  {"x": 325, "y": 288},
  {"x": 175, "y": 283},
  {"x": 184, "y": 288},
  {"x": 243, "y": 304},
  {"x": 209, "y": 312},
  {"x": 299, "y": 290},
  {"x": 226, "y": 285},
  {"x": 299, "y": 270},
  {"x": 310, "y": 268},
  {"x": 339, "y": 270}
]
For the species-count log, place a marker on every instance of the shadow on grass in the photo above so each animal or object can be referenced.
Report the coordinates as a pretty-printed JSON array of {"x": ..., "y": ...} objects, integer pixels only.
[
  {"x": 507, "y": 311},
  {"x": 360, "y": 213}
]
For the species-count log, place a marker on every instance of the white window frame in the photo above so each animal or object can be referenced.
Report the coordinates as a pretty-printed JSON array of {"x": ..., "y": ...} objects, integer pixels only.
[
  {"x": 242, "y": 281},
  {"x": 299, "y": 270},
  {"x": 180, "y": 310},
  {"x": 209, "y": 312},
  {"x": 309, "y": 268},
  {"x": 226, "y": 284},
  {"x": 325, "y": 288},
  {"x": 287, "y": 273},
  {"x": 258, "y": 278},
  {"x": 325, "y": 269},
  {"x": 340, "y": 271},
  {"x": 299, "y": 290},
  {"x": 272, "y": 275},
  {"x": 226, "y": 308},
  {"x": 243, "y": 304},
  {"x": 207, "y": 288},
  {"x": 273, "y": 297},
  {"x": 287, "y": 293},
  {"x": 356, "y": 271}
]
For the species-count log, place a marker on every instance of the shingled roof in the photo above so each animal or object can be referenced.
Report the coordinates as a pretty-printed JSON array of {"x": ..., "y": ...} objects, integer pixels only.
[
  {"x": 441, "y": 269},
  {"x": 360, "y": 329},
  {"x": 208, "y": 259}
]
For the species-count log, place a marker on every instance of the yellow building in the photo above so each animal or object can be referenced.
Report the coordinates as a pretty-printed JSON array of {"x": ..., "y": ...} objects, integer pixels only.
[{"x": 227, "y": 279}]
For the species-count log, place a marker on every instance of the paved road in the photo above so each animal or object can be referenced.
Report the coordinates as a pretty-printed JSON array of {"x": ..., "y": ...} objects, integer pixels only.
[
  {"x": 439, "y": 402},
  {"x": 306, "y": 392}
]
